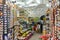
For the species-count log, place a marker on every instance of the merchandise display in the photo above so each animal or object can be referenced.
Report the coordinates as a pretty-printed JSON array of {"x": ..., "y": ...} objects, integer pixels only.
[
  {"x": 5, "y": 20},
  {"x": 58, "y": 22},
  {"x": 1, "y": 22},
  {"x": 48, "y": 28},
  {"x": 54, "y": 14},
  {"x": 22, "y": 34},
  {"x": 30, "y": 20}
]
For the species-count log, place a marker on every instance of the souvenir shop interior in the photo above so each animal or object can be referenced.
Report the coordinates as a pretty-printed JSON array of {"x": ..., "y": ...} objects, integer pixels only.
[{"x": 29, "y": 19}]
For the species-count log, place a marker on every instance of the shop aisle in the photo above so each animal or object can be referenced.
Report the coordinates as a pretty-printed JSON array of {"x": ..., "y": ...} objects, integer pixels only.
[{"x": 35, "y": 36}]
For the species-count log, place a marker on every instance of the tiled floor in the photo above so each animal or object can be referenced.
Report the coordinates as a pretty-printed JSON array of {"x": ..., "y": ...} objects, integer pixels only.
[{"x": 35, "y": 36}]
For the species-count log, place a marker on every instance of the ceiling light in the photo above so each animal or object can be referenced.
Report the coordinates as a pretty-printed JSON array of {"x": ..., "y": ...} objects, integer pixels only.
[
  {"x": 20, "y": 3},
  {"x": 33, "y": 4},
  {"x": 29, "y": 2},
  {"x": 48, "y": 5},
  {"x": 38, "y": 1}
]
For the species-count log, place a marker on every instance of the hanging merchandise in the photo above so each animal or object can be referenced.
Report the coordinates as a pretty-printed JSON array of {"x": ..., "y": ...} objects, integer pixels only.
[
  {"x": 48, "y": 28},
  {"x": 55, "y": 20},
  {"x": 10, "y": 29},
  {"x": 10, "y": 34},
  {"x": 58, "y": 22},
  {"x": 54, "y": 29},
  {"x": 1, "y": 22},
  {"x": 21, "y": 33},
  {"x": 8, "y": 15},
  {"x": 6, "y": 18}
]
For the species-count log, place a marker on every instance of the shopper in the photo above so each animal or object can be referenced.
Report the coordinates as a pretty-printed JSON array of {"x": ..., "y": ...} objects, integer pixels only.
[
  {"x": 41, "y": 23},
  {"x": 38, "y": 27},
  {"x": 41, "y": 26},
  {"x": 33, "y": 23},
  {"x": 34, "y": 27}
]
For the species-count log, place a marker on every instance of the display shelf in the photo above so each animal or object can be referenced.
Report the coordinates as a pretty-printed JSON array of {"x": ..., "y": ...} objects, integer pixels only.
[
  {"x": 23, "y": 31},
  {"x": 58, "y": 22},
  {"x": 21, "y": 34},
  {"x": 48, "y": 27},
  {"x": 27, "y": 37},
  {"x": 1, "y": 22}
]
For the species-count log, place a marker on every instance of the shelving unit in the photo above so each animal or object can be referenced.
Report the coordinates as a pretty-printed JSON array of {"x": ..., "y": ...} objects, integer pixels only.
[
  {"x": 58, "y": 21},
  {"x": 23, "y": 34},
  {"x": 5, "y": 21},
  {"x": 48, "y": 28},
  {"x": 53, "y": 21},
  {"x": 54, "y": 18},
  {"x": 53, "y": 27},
  {"x": 1, "y": 22}
]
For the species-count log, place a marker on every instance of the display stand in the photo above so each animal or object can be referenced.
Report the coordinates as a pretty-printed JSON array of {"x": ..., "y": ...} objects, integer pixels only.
[
  {"x": 53, "y": 34},
  {"x": 57, "y": 15},
  {"x": 4, "y": 22},
  {"x": 24, "y": 34},
  {"x": 48, "y": 28},
  {"x": 1, "y": 22},
  {"x": 53, "y": 20}
]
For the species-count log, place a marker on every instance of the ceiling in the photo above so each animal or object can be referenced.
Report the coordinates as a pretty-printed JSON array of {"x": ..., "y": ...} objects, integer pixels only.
[
  {"x": 28, "y": 3},
  {"x": 37, "y": 11},
  {"x": 36, "y": 8}
]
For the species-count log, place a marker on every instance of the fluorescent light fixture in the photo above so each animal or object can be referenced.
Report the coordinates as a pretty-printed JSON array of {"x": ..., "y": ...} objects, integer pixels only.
[
  {"x": 20, "y": 3},
  {"x": 13, "y": 0},
  {"x": 29, "y": 2},
  {"x": 20, "y": 6},
  {"x": 33, "y": 4},
  {"x": 38, "y": 1},
  {"x": 48, "y": 5}
]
